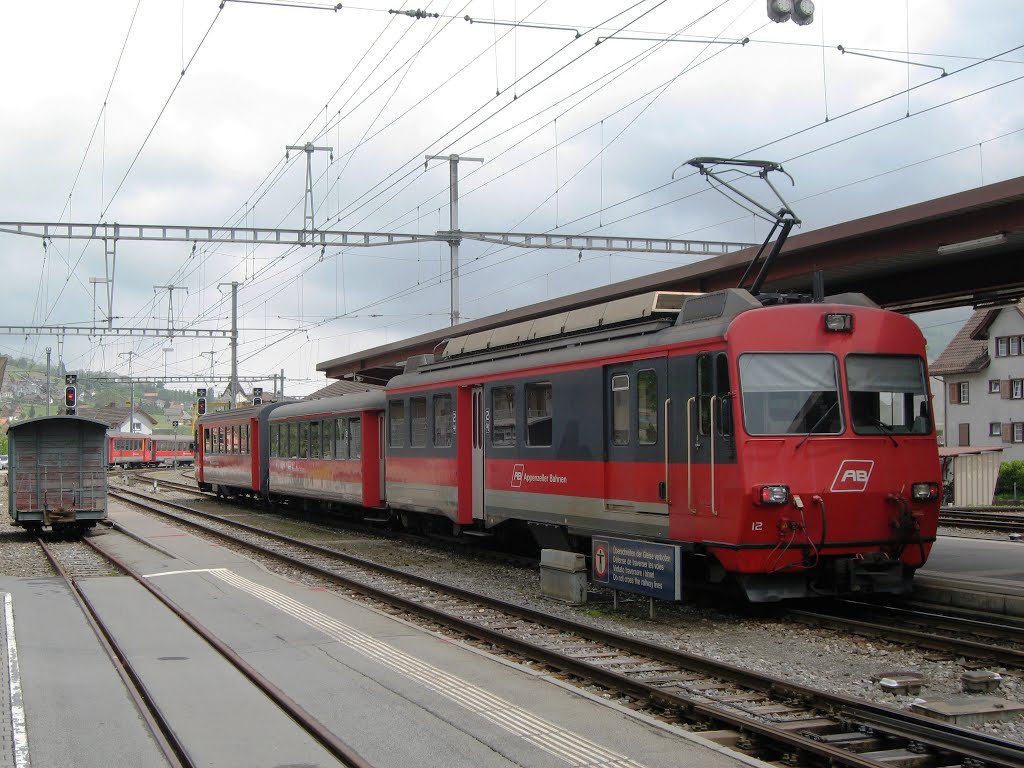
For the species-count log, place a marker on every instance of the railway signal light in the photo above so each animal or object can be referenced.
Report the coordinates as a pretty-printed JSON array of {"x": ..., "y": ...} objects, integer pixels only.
[
  {"x": 201, "y": 406},
  {"x": 70, "y": 399},
  {"x": 799, "y": 11},
  {"x": 257, "y": 395}
]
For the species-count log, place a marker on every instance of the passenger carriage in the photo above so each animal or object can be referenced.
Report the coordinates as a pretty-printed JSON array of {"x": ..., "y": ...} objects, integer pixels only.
[
  {"x": 171, "y": 450},
  {"x": 57, "y": 473},
  {"x": 126, "y": 449},
  {"x": 234, "y": 451},
  {"x": 329, "y": 450}
]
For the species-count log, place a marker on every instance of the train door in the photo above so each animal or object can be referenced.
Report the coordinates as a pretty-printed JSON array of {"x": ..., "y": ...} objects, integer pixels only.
[
  {"x": 637, "y": 439},
  {"x": 478, "y": 453},
  {"x": 381, "y": 453},
  {"x": 709, "y": 433}
]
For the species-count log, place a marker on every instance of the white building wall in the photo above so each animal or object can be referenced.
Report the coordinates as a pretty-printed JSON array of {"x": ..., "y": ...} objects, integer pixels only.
[{"x": 986, "y": 407}]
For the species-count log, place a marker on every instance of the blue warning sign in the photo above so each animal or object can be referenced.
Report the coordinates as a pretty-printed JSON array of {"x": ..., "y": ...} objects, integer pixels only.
[{"x": 643, "y": 567}]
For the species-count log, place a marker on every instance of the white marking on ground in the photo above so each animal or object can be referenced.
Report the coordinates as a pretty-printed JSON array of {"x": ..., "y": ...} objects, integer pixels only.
[
  {"x": 574, "y": 749},
  {"x": 19, "y": 732}
]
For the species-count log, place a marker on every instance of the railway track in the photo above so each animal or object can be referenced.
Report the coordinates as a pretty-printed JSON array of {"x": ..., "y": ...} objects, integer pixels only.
[
  {"x": 986, "y": 520},
  {"x": 75, "y": 560},
  {"x": 984, "y": 638},
  {"x": 1000, "y": 641},
  {"x": 765, "y": 716}
]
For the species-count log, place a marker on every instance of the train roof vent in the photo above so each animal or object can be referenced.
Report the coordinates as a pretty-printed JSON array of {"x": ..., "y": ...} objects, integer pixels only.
[
  {"x": 855, "y": 299},
  {"x": 632, "y": 309},
  {"x": 725, "y": 303},
  {"x": 545, "y": 327},
  {"x": 417, "y": 361}
]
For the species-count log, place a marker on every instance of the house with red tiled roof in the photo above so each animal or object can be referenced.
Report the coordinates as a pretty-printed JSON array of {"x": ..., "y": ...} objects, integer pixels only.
[{"x": 982, "y": 371}]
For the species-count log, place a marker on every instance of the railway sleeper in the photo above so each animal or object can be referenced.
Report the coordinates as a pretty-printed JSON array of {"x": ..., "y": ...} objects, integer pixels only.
[
  {"x": 901, "y": 758},
  {"x": 851, "y": 740}
]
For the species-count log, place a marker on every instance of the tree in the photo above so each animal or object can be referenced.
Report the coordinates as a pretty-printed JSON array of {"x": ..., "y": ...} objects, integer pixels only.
[{"x": 1010, "y": 472}]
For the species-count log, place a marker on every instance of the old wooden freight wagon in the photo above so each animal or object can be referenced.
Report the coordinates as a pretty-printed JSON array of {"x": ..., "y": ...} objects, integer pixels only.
[{"x": 58, "y": 473}]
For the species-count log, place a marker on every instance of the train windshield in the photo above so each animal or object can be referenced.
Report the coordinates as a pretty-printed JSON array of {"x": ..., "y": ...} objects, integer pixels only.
[
  {"x": 888, "y": 395},
  {"x": 790, "y": 394}
]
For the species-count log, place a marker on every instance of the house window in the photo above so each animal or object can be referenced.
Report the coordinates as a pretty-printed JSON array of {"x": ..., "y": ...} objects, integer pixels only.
[
  {"x": 993, "y": 386},
  {"x": 964, "y": 435},
  {"x": 1018, "y": 432},
  {"x": 1017, "y": 388},
  {"x": 965, "y": 392},
  {"x": 1002, "y": 346},
  {"x": 1015, "y": 345},
  {"x": 995, "y": 429}
]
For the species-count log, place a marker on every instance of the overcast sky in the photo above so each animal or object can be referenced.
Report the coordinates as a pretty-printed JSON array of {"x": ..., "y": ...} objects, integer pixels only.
[{"x": 99, "y": 125}]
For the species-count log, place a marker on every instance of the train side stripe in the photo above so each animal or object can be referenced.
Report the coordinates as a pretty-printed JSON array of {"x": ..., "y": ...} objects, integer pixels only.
[{"x": 570, "y": 747}]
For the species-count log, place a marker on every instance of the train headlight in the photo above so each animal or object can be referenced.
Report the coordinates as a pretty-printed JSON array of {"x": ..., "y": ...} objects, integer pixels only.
[
  {"x": 925, "y": 491},
  {"x": 772, "y": 494},
  {"x": 838, "y": 322}
]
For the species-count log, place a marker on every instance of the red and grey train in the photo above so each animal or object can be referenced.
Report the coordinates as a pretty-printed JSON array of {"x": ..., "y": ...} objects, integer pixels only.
[
  {"x": 789, "y": 449},
  {"x": 136, "y": 450}
]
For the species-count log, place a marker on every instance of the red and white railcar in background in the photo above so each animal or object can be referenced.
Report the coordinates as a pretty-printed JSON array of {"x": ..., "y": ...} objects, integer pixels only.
[
  {"x": 125, "y": 449},
  {"x": 171, "y": 450}
]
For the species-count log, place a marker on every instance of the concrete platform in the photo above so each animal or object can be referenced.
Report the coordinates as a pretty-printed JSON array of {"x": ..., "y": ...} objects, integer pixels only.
[
  {"x": 76, "y": 709},
  {"x": 399, "y": 695},
  {"x": 978, "y": 574}
]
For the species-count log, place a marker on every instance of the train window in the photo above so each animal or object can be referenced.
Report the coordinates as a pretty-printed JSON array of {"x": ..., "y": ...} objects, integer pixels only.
[
  {"x": 620, "y": 409},
  {"x": 417, "y": 421},
  {"x": 221, "y": 441},
  {"x": 444, "y": 423},
  {"x": 647, "y": 407},
  {"x": 503, "y": 416},
  {"x": 293, "y": 441},
  {"x": 245, "y": 438},
  {"x": 328, "y": 437},
  {"x": 723, "y": 411},
  {"x": 538, "y": 414},
  {"x": 355, "y": 436},
  {"x": 303, "y": 439},
  {"x": 341, "y": 439},
  {"x": 790, "y": 394},
  {"x": 206, "y": 440},
  {"x": 705, "y": 390},
  {"x": 275, "y": 440},
  {"x": 887, "y": 395},
  {"x": 396, "y": 423},
  {"x": 314, "y": 440}
]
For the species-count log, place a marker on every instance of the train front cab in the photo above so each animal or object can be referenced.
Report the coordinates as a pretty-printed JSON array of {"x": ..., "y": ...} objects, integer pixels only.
[{"x": 835, "y": 481}]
